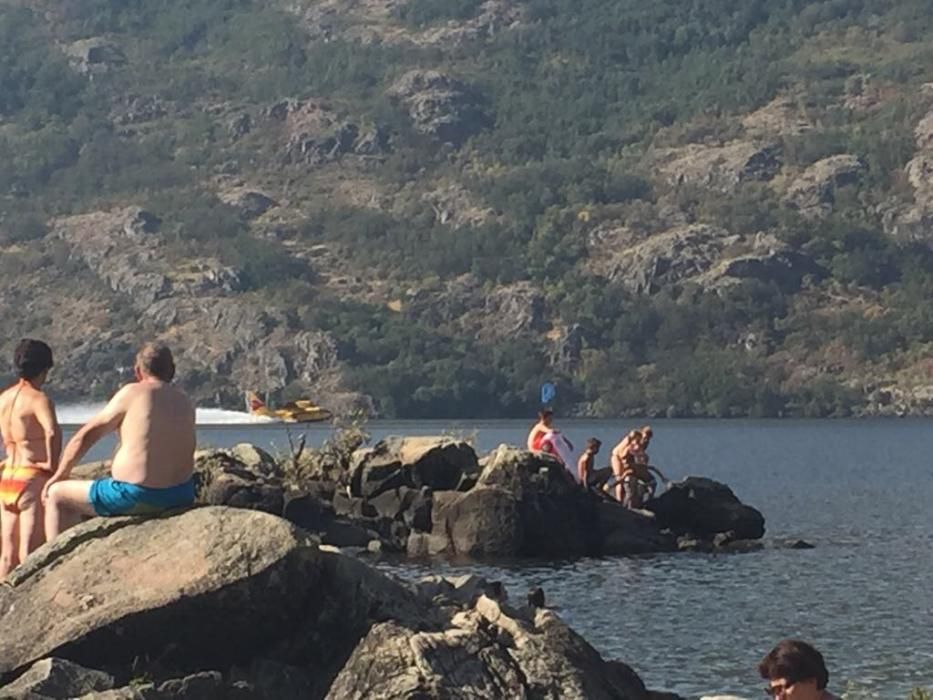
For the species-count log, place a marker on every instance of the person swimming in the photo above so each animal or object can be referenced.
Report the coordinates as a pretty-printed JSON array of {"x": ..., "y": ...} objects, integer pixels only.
[
  {"x": 32, "y": 440},
  {"x": 152, "y": 470}
]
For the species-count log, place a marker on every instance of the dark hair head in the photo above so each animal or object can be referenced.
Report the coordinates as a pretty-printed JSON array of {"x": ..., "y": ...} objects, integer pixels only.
[
  {"x": 593, "y": 444},
  {"x": 31, "y": 358},
  {"x": 545, "y": 413},
  {"x": 647, "y": 432},
  {"x": 155, "y": 360},
  {"x": 795, "y": 661}
]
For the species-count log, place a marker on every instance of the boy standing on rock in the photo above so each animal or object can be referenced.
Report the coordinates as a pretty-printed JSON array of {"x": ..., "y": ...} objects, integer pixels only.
[
  {"x": 152, "y": 469},
  {"x": 585, "y": 463}
]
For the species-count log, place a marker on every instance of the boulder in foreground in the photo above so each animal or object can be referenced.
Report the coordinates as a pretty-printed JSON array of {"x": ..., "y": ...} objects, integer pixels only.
[{"x": 223, "y": 603}]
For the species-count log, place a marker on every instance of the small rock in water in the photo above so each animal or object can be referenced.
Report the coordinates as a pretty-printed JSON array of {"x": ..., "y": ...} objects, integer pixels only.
[
  {"x": 801, "y": 544},
  {"x": 374, "y": 546}
]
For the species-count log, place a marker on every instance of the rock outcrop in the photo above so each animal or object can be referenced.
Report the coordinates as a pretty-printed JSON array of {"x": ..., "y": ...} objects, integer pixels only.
[
  {"x": 216, "y": 330},
  {"x": 440, "y": 106},
  {"x": 413, "y": 462},
  {"x": 95, "y": 55},
  {"x": 315, "y": 134},
  {"x": 701, "y": 254},
  {"x": 914, "y": 222},
  {"x": 250, "y": 203},
  {"x": 721, "y": 168},
  {"x": 814, "y": 191},
  {"x": 706, "y": 508},
  {"x": 223, "y": 603},
  {"x": 525, "y": 505},
  {"x": 430, "y": 496}
]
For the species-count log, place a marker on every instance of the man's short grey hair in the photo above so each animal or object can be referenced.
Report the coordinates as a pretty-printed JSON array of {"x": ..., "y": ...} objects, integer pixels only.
[{"x": 155, "y": 360}]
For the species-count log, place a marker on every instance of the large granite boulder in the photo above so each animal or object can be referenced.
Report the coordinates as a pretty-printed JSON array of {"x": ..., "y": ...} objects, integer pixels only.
[
  {"x": 225, "y": 603},
  {"x": 624, "y": 531},
  {"x": 482, "y": 522},
  {"x": 525, "y": 505},
  {"x": 121, "y": 589},
  {"x": 703, "y": 507},
  {"x": 56, "y": 678},
  {"x": 413, "y": 462}
]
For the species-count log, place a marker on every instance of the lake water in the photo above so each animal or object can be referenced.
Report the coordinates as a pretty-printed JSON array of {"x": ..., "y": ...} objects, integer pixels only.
[{"x": 860, "y": 490}]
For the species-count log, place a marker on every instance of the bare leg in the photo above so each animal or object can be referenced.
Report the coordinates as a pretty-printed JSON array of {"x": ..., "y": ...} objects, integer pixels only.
[
  {"x": 67, "y": 502},
  {"x": 8, "y": 544},
  {"x": 31, "y": 512},
  {"x": 619, "y": 489}
]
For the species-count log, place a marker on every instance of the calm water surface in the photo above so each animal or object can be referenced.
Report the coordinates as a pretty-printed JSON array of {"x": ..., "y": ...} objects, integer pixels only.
[{"x": 691, "y": 623}]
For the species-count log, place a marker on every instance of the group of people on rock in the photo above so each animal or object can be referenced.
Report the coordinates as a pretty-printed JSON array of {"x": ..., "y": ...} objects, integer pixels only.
[
  {"x": 629, "y": 477},
  {"x": 151, "y": 470}
]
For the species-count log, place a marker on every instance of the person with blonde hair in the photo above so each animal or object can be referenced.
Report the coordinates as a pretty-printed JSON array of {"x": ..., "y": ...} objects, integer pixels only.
[
  {"x": 621, "y": 459},
  {"x": 152, "y": 469}
]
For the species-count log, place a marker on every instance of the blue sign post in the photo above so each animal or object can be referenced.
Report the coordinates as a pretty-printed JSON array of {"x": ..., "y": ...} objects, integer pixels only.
[{"x": 548, "y": 392}]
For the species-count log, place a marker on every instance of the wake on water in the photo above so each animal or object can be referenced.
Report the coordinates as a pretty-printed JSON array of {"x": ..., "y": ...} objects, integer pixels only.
[{"x": 76, "y": 414}]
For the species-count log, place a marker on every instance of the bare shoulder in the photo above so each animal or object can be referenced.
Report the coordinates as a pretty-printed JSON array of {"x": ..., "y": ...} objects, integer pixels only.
[
  {"x": 183, "y": 398},
  {"x": 126, "y": 395},
  {"x": 41, "y": 400}
]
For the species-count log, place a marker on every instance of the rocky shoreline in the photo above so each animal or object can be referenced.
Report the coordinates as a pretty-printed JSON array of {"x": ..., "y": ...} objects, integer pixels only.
[
  {"x": 218, "y": 602},
  {"x": 433, "y": 496},
  {"x": 247, "y": 596}
]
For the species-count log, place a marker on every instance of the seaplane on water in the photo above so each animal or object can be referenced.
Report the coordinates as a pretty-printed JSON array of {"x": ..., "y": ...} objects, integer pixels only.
[{"x": 300, "y": 411}]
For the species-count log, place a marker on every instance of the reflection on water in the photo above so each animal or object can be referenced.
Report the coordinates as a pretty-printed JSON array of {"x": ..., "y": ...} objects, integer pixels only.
[{"x": 695, "y": 623}]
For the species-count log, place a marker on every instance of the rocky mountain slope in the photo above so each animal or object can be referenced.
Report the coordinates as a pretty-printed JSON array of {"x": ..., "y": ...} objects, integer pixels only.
[{"x": 428, "y": 207}]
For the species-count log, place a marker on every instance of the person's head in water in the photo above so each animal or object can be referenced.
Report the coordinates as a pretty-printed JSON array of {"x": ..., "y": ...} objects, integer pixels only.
[
  {"x": 155, "y": 360},
  {"x": 546, "y": 417},
  {"x": 794, "y": 671},
  {"x": 593, "y": 445},
  {"x": 33, "y": 360}
]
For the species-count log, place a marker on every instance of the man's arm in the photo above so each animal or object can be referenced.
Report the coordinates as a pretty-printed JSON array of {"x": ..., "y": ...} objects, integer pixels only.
[
  {"x": 45, "y": 415},
  {"x": 104, "y": 422}
]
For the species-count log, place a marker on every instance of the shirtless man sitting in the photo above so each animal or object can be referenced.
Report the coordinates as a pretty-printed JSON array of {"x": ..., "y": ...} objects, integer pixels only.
[
  {"x": 33, "y": 441},
  {"x": 152, "y": 469}
]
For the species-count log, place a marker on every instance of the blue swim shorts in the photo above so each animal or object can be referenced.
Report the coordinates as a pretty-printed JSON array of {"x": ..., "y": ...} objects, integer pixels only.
[{"x": 110, "y": 497}]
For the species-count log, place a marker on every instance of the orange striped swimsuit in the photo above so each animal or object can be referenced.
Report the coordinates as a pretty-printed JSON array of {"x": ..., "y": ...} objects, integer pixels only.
[{"x": 14, "y": 480}]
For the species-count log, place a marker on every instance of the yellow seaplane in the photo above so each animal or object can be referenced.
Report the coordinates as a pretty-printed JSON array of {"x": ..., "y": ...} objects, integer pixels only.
[{"x": 300, "y": 411}]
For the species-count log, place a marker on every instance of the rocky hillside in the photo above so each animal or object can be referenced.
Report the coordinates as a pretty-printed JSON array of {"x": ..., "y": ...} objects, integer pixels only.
[{"x": 428, "y": 207}]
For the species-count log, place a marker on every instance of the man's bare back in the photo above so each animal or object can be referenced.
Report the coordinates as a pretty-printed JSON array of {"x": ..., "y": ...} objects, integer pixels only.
[
  {"x": 152, "y": 469},
  {"x": 157, "y": 435}
]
